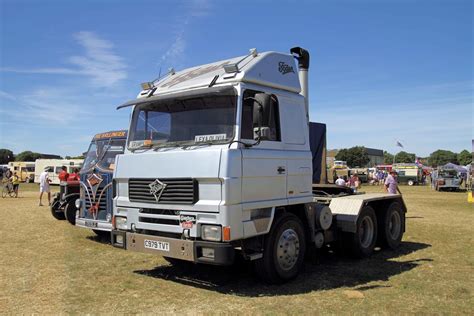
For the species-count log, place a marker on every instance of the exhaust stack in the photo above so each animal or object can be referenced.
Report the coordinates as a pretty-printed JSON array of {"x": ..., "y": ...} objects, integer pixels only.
[{"x": 302, "y": 55}]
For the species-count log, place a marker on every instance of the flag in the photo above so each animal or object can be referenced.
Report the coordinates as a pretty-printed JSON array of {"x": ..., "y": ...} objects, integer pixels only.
[{"x": 399, "y": 144}]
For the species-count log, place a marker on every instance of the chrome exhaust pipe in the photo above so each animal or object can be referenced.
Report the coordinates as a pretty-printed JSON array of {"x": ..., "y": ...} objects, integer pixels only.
[{"x": 302, "y": 55}]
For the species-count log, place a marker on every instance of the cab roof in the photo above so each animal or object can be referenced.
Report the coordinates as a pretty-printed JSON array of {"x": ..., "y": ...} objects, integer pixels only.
[{"x": 271, "y": 69}]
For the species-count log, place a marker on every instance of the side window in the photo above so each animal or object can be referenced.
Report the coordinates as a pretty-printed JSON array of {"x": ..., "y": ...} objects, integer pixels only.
[{"x": 271, "y": 118}]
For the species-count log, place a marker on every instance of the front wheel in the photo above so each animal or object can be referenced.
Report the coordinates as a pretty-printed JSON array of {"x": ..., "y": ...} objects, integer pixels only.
[
  {"x": 284, "y": 251},
  {"x": 55, "y": 211},
  {"x": 70, "y": 212},
  {"x": 411, "y": 182}
]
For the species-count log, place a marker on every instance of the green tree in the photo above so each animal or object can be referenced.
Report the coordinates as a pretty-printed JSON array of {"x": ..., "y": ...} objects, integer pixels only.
[
  {"x": 27, "y": 156},
  {"x": 355, "y": 156},
  {"x": 442, "y": 157},
  {"x": 404, "y": 157},
  {"x": 6, "y": 155},
  {"x": 464, "y": 157},
  {"x": 387, "y": 158}
]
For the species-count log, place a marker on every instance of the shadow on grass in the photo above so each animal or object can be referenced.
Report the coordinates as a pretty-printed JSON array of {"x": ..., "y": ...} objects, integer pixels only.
[
  {"x": 102, "y": 239},
  {"x": 332, "y": 271}
]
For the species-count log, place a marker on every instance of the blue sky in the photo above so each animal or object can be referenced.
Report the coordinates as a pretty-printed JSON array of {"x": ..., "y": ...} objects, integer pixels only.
[{"x": 380, "y": 71}]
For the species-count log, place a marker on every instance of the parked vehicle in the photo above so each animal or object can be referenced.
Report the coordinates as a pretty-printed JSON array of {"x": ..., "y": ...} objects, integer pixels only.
[
  {"x": 362, "y": 173},
  {"x": 63, "y": 205},
  {"x": 446, "y": 179},
  {"x": 219, "y": 165},
  {"x": 55, "y": 166},
  {"x": 24, "y": 169},
  {"x": 410, "y": 174},
  {"x": 95, "y": 203}
]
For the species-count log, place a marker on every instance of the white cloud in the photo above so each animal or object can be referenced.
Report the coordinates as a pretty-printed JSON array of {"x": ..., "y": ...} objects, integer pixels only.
[
  {"x": 7, "y": 96},
  {"x": 104, "y": 67},
  {"x": 192, "y": 10}
]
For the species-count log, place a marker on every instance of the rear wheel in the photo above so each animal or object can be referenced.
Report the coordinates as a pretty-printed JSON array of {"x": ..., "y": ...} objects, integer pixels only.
[
  {"x": 393, "y": 226},
  {"x": 55, "y": 211},
  {"x": 284, "y": 251},
  {"x": 362, "y": 242},
  {"x": 411, "y": 182},
  {"x": 70, "y": 212}
]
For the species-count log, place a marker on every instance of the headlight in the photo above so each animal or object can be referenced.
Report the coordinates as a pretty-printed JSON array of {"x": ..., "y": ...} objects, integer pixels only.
[
  {"x": 211, "y": 232},
  {"x": 78, "y": 203},
  {"x": 120, "y": 222}
]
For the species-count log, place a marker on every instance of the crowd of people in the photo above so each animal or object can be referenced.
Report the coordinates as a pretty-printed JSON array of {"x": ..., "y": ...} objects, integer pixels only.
[
  {"x": 387, "y": 179},
  {"x": 11, "y": 180}
]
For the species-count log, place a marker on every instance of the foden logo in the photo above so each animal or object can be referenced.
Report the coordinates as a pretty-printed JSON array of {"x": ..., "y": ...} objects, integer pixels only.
[
  {"x": 284, "y": 68},
  {"x": 156, "y": 189}
]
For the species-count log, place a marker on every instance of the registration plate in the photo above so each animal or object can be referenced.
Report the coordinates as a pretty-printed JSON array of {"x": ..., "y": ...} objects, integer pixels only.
[
  {"x": 157, "y": 245},
  {"x": 90, "y": 224}
]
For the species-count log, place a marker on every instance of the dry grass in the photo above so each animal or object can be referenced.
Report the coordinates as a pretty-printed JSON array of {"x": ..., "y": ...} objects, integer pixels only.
[{"x": 49, "y": 266}]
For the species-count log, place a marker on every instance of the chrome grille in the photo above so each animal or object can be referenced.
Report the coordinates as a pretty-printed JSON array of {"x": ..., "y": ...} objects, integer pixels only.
[
  {"x": 177, "y": 191},
  {"x": 103, "y": 199}
]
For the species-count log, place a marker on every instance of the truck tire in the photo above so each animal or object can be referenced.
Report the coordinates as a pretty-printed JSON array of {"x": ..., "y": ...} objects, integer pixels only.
[
  {"x": 284, "y": 251},
  {"x": 362, "y": 243},
  {"x": 392, "y": 226},
  {"x": 70, "y": 212},
  {"x": 56, "y": 212},
  {"x": 411, "y": 182}
]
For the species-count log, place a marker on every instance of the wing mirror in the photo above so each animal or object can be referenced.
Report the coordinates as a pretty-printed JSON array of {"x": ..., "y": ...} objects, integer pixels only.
[{"x": 261, "y": 116}]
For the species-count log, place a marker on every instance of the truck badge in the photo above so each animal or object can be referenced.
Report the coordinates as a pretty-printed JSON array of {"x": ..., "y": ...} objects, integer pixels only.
[
  {"x": 285, "y": 68},
  {"x": 156, "y": 189}
]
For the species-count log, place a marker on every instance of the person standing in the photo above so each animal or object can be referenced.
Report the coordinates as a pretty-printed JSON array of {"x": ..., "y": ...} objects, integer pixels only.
[
  {"x": 391, "y": 184},
  {"x": 63, "y": 175},
  {"x": 16, "y": 183},
  {"x": 74, "y": 176},
  {"x": 354, "y": 182},
  {"x": 44, "y": 185}
]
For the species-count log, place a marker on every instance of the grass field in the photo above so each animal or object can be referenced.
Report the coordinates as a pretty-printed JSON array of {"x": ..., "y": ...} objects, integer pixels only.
[{"x": 49, "y": 266}]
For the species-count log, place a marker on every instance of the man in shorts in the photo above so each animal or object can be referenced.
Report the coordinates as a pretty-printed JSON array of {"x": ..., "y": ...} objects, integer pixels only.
[{"x": 44, "y": 185}]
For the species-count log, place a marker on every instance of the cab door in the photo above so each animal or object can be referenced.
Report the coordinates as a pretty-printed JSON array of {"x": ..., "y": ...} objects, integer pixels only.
[{"x": 264, "y": 166}]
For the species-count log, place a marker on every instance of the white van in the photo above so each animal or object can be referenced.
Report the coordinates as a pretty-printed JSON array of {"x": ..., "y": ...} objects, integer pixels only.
[{"x": 54, "y": 166}]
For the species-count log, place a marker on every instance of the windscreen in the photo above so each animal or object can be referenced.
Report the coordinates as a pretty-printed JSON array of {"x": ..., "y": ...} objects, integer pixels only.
[
  {"x": 102, "y": 153},
  {"x": 184, "y": 121},
  {"x": 448, "y": 173}
]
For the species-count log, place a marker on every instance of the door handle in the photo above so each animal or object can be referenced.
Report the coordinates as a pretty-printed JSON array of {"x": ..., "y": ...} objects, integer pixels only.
[{"x": 281, "y": 170}]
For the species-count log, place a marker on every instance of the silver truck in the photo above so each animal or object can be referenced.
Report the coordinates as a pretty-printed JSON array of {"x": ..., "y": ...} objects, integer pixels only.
[
  {"x": 219, "y": 164},
  {"x": 446, "y": 179}
]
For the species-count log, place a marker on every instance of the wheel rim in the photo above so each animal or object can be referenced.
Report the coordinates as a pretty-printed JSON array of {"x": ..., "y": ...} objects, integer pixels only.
[
  {"x": 366, "y": 232},
  {"x": 394, "y": 225},
  {"x": 288, "y": 249}
]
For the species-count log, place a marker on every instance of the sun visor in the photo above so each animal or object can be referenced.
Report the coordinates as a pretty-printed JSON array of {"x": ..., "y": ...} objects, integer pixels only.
[{"x": 227, "y": 90}]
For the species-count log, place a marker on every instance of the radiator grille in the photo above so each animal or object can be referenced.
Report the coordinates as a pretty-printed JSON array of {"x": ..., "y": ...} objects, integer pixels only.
[{"x": 177, "y": 191}]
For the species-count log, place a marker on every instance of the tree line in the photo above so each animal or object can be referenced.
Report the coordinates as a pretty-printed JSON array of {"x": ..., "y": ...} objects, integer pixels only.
[
  {"x": 6, "y": 155},
  {"x": 357, "y": 156}
]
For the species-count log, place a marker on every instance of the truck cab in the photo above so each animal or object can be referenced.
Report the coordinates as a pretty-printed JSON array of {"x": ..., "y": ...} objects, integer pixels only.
[
  {"x": 94, "y": 206},
  {"x": 218, "y": 163}
]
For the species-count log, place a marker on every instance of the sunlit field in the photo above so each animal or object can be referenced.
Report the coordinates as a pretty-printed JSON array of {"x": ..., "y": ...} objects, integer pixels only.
[{"x": 49, "y": 266}]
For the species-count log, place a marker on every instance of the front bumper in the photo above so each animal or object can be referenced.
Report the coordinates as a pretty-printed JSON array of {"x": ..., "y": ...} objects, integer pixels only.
[
  {"x": 93, "y": 224},
  {"x": 188, "y": 250}
]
